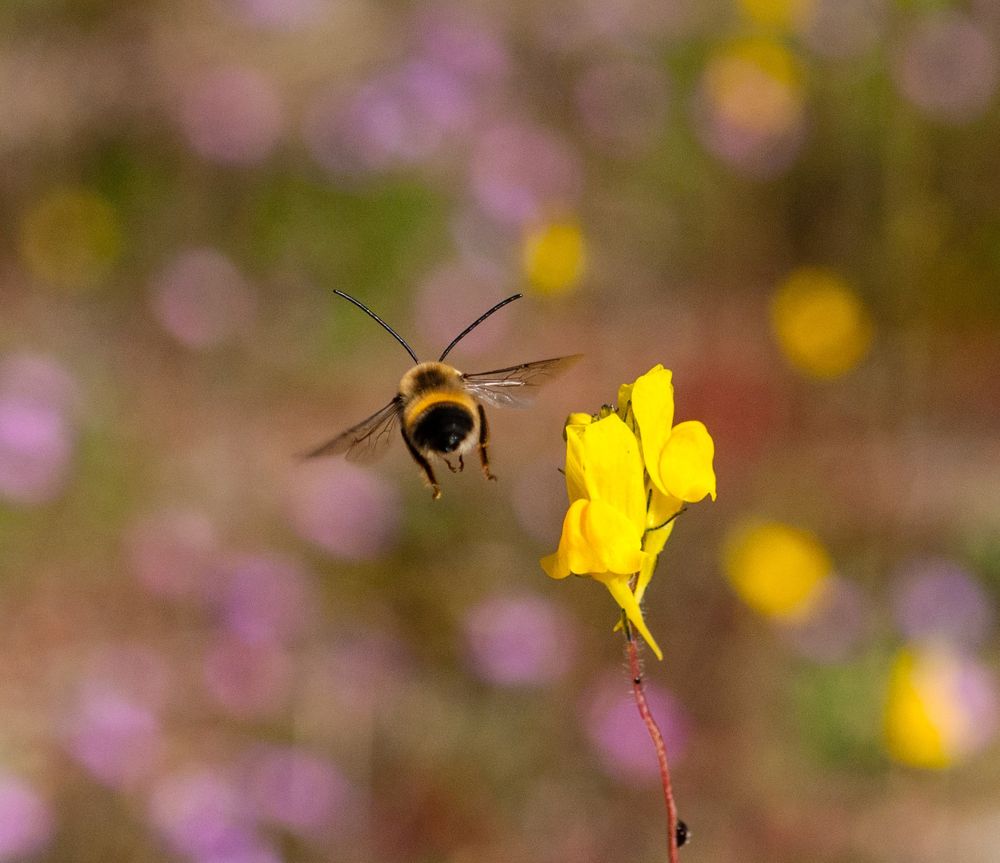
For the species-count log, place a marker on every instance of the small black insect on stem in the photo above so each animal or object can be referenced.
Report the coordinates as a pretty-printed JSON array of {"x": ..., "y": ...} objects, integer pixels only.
[{"x": 683, "y": 834}]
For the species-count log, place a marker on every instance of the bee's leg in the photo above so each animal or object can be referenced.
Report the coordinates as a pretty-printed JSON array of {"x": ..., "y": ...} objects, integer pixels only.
[
  {"x": 451, "y": 467},
  {"x": 461, "y": 462},
  {"x": 484, "y": 439},
  {"x": 424, "y": 465}
]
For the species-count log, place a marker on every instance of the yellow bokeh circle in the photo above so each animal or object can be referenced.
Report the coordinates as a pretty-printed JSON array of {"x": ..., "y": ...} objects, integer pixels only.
[
  {"x": 71, "y": 238},
  {"x": 781, "y": 14},
  {"x": 755, "y": 85},
  {"x": 820, "y": 323},
  {"x": 777, "y": 569},
  {"x": 554, "y": 257},
  {"x": 925, "y": 723}
]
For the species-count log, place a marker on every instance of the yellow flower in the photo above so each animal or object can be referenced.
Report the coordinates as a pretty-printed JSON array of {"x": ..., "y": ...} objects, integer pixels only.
[
  {"x": 629, "y": 472},
  {"x": 602, "y": 534}
]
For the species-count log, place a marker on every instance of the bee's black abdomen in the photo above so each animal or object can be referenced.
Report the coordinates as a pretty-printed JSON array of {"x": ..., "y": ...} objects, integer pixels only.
[{"x": 443, "y": 427}]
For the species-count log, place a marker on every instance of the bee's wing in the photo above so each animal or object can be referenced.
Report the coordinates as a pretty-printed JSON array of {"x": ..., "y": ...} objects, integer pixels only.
[
  {"x": 516, "y": 386},
  {"x": 365, "y": 441}
]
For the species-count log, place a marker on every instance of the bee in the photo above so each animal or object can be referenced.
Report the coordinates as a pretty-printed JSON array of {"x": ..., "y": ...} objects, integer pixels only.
[{"x": 440, "y": 410}]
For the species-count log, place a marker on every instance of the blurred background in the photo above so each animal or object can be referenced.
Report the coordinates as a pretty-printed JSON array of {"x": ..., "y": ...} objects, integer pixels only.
[{"x": 214, "y": 652}]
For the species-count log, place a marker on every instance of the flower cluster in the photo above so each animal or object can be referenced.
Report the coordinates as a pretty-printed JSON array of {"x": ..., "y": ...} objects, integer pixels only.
[{"x": 629, "y": 472}]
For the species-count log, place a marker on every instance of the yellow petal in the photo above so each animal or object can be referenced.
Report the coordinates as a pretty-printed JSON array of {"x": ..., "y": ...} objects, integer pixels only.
[
  {"x": 575, "y": 486},
  {"x": 645, "y": 575},
  {"x": 612, "y": 469},
  {"x": 685, "y": 466},
  {"x": 656, "y": 539},
  {"x": 653, "y": 407},
  {"x": 619, "y": 589},
  {"x": 613, "y": 538},
  {"x": 642, "y": 582},
  {"x": 578, "y": 418},
  {"x": 659, "y": 525},
  {"x": 574, "y": 554},
  {"x": 581, "y": 556},
  {"x": 554, "y": 566}
]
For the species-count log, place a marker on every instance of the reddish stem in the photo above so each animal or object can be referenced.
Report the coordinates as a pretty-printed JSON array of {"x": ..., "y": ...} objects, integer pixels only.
[{"x": 654, "y": 733}]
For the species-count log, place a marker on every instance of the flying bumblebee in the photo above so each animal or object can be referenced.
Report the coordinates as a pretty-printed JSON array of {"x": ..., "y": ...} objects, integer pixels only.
[{"x": 439, "y": 409}]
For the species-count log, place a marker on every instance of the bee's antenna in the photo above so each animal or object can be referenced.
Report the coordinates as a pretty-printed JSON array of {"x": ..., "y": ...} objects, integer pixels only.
[
  {"x": 476, "y": 323},
  {"x": 389, "y": 329}
]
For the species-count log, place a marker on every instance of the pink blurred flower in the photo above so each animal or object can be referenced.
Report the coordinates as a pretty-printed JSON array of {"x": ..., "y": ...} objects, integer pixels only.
[
  {"x": 201, "y": 299},
  {"x": 294, "y": 789},
  {"x": 173, "y": 553},
  {"x": 407, "y": 114},
  {"x": 620, "y": 736},
  {"x": 593, "y": 26},
  {"x": 264, "y": 598},
  {"x": 37, "y": 402},
  {"x": 138, "y": 672},
  {"x": 248, "y": 679},
  {"x": 521, "y": 173},
  {"x": 277, "y": 14},
  {"x": 116, "y": 740},
  {"x": 455, "y": 39},
  {"x": 519, "y": 640},
  {"x": 202, "y": 813},
  {"x": 112, "y": 728},
  {"x": 27, "y": 822},
  {"x": 345, "y": 510},
  {"x": 937, "y": 600},
  {"x": 232, "y": 116},
  {"x": 40, "y": 378},
  {"x": 402, "y": 117},
  {"x": 948, "y": 67},
  {"x": 980, "y": 699}
]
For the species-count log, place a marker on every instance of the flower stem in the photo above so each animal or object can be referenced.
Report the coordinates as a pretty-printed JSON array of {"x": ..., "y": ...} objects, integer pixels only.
[{"x": 654, "y": 732}]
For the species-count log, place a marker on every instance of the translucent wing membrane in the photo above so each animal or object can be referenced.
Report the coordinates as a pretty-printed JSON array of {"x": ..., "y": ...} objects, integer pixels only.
[
  {"x": 365, "y": 441},
  {"x": 515, "y": 386}
]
